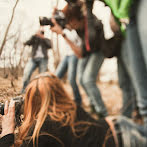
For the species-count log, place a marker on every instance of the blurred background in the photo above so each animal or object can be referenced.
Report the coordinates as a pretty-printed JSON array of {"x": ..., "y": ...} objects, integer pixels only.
[{"x": 19, "y": 20}]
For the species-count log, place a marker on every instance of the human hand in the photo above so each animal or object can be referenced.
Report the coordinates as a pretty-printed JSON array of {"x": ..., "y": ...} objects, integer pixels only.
[
  {"x": 40, "y": 35},
  {"x": 8, "y": 119},
  {"x": 54, "y": 11},
  {"x": 56, "y": 28},
  {"x": 124, "y": 20},
  {"x": 114, "y": 25}
]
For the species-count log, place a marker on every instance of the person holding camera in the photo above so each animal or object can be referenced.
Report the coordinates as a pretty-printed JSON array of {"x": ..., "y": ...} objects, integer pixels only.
[
  {"x": 39, "y": 56},
  {"x": 95, "y": 49},
  {"x": 51, "y": 118},
  {"x": 89, "y": 53},
  {"x": 69, "y": 64}
]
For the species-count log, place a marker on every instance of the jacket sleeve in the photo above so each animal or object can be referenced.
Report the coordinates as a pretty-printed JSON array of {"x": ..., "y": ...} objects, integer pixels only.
[
  {"x": 47, "y": 43},
  {"x": 31, "y": 41},
  {"x": 124, "y": 8},
  {"x": 7, "y": 141},
  {"x": 120, "y": 8},
  {"x": 43, "y": 141}
]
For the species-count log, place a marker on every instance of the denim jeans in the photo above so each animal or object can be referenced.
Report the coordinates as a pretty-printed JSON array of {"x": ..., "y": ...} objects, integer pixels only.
[
  {"x": 133, "y": 60},
  {"x": 128, "y": 91},
  {"x": 88, "y": 68},
  {"x": 30, "y": 67},
  {"x": 133, "y": 135},
  {"x": 69, "y": 65},
  {"x": 142, "y": 26}
]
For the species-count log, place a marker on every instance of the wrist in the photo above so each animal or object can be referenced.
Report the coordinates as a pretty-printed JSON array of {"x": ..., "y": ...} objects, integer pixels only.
[{"x": 6, "y": 132}]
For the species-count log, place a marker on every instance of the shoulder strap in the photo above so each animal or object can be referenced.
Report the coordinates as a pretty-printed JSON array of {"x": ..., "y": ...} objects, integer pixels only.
[{"x": 87, "y": 36}]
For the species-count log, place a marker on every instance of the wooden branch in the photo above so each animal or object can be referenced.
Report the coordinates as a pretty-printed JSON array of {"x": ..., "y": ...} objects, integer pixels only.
[{"x": 8, "y": 27}]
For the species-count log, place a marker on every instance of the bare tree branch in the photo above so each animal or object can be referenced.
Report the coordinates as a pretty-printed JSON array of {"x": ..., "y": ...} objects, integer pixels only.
[
  {"x": 8, "y": 27},
  {"x": 10, "y": 37}
]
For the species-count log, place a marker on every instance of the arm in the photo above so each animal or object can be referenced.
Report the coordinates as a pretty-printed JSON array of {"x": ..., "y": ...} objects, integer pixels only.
[
  {"x": 47, "y": 43},
  {"x": 30, "y": 41},
  {"x": 124, "y": 8},
  {"x": 7, "y": 140},
  {"x": 44, "y": 141},
  {"x": 77, "y": 50},
  {"x": 120, "y": 8}
]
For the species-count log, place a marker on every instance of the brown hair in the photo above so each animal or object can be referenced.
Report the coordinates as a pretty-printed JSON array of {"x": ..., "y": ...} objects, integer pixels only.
[
  {"x": 74, "y": 11},
  {"x": 45, "y": 96}
]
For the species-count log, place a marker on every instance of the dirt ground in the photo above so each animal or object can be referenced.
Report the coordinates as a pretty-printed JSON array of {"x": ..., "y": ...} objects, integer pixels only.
[{"x": 110, "y": 91}]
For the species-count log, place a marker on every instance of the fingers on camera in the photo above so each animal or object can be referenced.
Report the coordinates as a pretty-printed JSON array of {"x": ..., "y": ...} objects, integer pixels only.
[
  {"x": 6, "y": 108},
  {"x": 10, "y": 108}
]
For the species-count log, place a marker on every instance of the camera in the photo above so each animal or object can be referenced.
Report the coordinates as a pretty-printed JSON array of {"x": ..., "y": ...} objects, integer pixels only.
[
  {"x": 19, "y": 101},
  {"x": 59, "y": 17},
  {"x": 71, "y": 1}
]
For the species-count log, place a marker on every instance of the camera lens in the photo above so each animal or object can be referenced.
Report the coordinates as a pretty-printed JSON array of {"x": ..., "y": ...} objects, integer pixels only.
[{"x": 2, "y": 108}]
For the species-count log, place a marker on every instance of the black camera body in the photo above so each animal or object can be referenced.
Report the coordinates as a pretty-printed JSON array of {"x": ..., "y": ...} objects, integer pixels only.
[
  {"x": 59, "y": 17},
  {"x": 71, "y": 1},
  {"x": 19, "y": 101}
]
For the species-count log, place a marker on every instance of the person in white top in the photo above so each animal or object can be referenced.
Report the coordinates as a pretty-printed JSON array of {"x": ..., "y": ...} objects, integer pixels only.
[{"x": 69, "y": 64}]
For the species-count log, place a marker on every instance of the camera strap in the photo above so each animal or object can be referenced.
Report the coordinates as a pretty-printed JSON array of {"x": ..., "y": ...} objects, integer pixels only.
[{"x": 87, "y": 36}]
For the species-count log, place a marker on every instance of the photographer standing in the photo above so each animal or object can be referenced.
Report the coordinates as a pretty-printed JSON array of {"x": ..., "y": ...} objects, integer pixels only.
[
  {"x": 39, "y": 57},
  {"x": 69, "y": 64},
  {"x": 91, "y": 57}
]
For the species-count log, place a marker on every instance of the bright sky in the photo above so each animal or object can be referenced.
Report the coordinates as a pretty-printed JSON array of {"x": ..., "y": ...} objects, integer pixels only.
[
  {"x": 30, "y": 8},
  {"x": 41, "y": 7},
  {"x": 28, "y": 12}
]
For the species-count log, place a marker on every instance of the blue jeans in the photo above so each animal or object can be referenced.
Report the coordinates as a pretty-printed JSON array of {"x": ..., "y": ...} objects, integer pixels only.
[
  {"x": 125, "y": 83},
  {"x": 30, "y": 67},
  {"x": 133, "y": 60},
  {"x": 88, "y": 68},
  {"x": 133, "y": 135},
  {"x": 69, "y": 65},
  {"x": 142, "y": 26}
]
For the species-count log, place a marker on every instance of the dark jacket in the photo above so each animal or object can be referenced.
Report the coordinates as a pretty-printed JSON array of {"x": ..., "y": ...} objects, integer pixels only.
[
  {"x": 35, "y": 41},
  {"x": 96, "y": 37},
  {"x": 63, "y": 136},
  {"x": 95, "y": 136}
]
